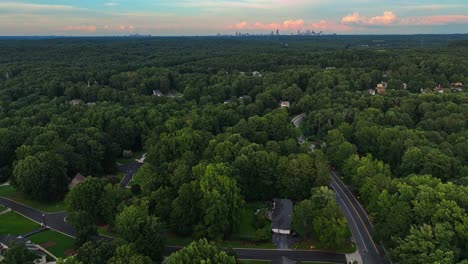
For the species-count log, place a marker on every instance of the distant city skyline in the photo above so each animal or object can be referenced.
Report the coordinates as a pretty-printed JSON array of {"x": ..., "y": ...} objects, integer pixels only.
[{"x": 210, "y": 17}]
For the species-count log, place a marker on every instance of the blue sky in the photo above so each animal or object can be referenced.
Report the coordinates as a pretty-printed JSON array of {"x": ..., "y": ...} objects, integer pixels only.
[{"x": 206, "y": 17}]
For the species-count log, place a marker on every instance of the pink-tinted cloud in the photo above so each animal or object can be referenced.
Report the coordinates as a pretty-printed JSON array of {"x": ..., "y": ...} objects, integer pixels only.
[
  {"x": 352, "y": 18},
  {"x": 387, "y": 18},
  {"x": 438, "y": 20},
  {"x": 84, "y": 28},
  {"x": 293, "y": 25},
  {"x": 285, "y": 25}
]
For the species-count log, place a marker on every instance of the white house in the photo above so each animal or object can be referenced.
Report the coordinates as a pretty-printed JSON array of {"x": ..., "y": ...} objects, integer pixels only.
[{"x": 285, "y": 104}]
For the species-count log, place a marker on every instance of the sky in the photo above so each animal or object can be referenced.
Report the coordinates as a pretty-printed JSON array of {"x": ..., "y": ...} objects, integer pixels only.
[{"x": 209, "y": 17}]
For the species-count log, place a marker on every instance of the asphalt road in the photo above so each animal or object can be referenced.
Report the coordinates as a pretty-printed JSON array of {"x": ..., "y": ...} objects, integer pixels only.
[
  {"x": 56, "y": 222},
  {"x": 358, "y": 222},
  {"x": 269, "y": 254},
  {"x": 129, "y": 170}
]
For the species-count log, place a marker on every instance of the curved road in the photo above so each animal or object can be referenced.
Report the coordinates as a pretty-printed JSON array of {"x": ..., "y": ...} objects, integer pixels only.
[{"x": 358, "y": 222}]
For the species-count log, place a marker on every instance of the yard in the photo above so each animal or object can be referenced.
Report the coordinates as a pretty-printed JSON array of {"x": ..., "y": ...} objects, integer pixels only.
[
  {"x": 244, "y": 235},
  {"x": 247, "y": 226},
  {"x": 58, "y": 244},
  {"x": 15, "y": 224},
  {"x": 314, "y": 245},
  {"x": 104, "y": 230},
  {"x": 10, "y": 193}
]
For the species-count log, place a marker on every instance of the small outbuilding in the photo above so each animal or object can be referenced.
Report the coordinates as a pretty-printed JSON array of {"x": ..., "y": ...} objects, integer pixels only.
[
  {"x": 285, "y": 104},
  {"x": 282, "y": 216}
]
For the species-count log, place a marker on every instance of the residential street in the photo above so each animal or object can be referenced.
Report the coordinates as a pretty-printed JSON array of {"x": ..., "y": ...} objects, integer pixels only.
[
  {"x": 56, "y": 222},
  {"x": 358, "y": 221},
  {"x": 271, "y": 254}
]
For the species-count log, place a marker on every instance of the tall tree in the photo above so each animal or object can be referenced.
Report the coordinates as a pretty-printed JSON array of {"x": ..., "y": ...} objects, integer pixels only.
[{"x": 200, "y": 252}]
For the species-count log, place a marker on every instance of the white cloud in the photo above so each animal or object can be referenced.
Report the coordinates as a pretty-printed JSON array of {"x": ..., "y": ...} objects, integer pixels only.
[
  {"x": 111, "y": 4},
  {"x": 27, "y": 7}
]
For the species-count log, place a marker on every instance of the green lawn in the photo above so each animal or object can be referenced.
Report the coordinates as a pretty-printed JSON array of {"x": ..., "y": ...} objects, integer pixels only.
[
  {"x": 246, "y": 228},
  {"x": 246, "y": 244},
  {"x": 6, "y": 190},
  {"x": 15, "y": 224},
  {"x": 313, "y": 245},
  {"x": 54, "y": 242},
  {"x": 2, "y": 208},
  {"x": 10, "y": 193},
  {"x": 103, "y": 230},
  {"x": 241, "y": 238},
  {"x": 119, "y": 175},
  {"x": 174, "y": 240}
]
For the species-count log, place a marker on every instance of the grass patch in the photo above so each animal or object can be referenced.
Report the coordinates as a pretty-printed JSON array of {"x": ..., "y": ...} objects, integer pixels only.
[
  {"x": 15, "y": 224},
  {"x": 6, "y": 190},
  {"x": 175, "y": 240},
  {"x": 246, "y": 244},
  {"x": 120, "y": 175},
  {"x": 11, "y": 193},
  {"x": 105, "y": 231},
  {"x": 2, "y": 208},
  {"x": 54, "y": 242},
  {"x": 314, "y": 245},
  {"x": 247, "y": 225}
]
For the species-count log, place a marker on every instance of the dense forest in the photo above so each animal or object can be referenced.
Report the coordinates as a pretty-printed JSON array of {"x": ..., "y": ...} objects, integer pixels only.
[{"x": 388, "y": 115}]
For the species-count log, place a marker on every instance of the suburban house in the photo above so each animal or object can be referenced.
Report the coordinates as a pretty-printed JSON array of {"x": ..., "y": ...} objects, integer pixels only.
[
  {"x": 439, "y": 89},
  {"x": 76, "y": 180},
  {"x": 7, "y": 240},
  {"x": 157, "y": 93},
  {"x": 381, "y": 87},
  {"x": 371, "y": 91},
  {"x": 256, "y": 74},
  {"x": 285, "y": 104},
  {"x": 281, "y": 216},
  {"x": 75, "y": 102},
  {"x": 282, "y": 260},
  {"x": 457, "y": 87}
]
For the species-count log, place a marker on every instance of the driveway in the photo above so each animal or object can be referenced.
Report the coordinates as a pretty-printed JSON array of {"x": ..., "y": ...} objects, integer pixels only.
[
  {"x": 56, "y": 222},
  {"x": 129, "y": 170}
]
